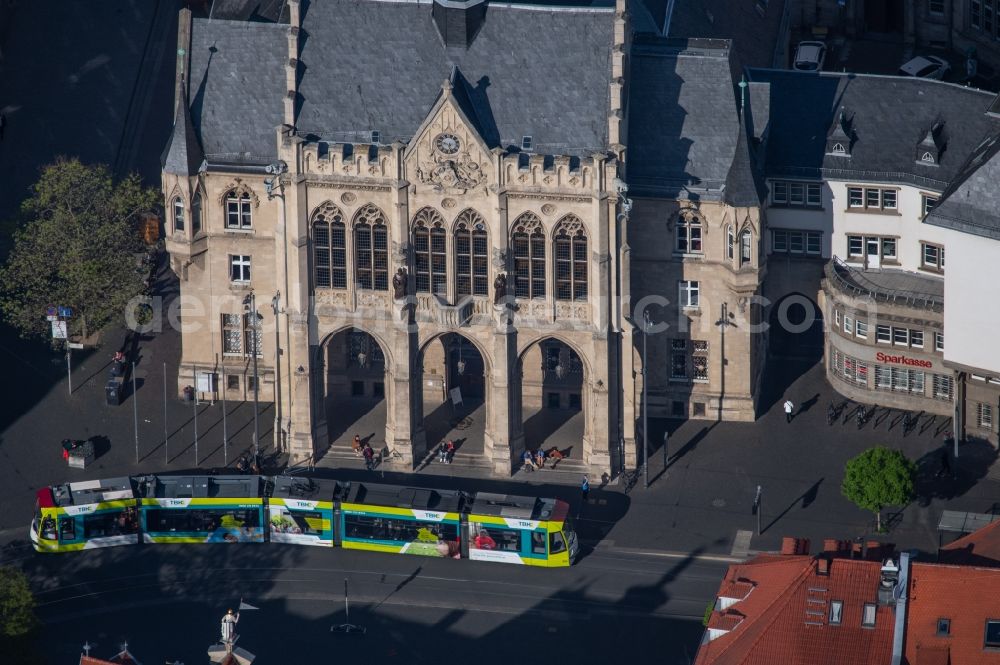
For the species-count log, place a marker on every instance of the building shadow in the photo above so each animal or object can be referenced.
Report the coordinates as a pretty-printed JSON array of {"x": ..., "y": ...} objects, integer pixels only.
[{"x": 933, "y": 481}]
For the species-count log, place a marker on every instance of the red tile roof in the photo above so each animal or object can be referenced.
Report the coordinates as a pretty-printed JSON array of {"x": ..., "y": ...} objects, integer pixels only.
[
  {"x": 979, "y": 548},
  {"x": 967, "y": 596},
  {"x": 786, "y": 616}
]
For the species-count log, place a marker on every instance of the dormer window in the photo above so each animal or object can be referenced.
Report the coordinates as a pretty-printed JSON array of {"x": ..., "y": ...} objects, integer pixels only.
[
  {"x": 943, "y": 627},
  {"x": 838, "y": 149},
  {"x": 526, "y": 143},
  {"x": 927, "y": 157},
  {"x": 868, "y": 616},
  {"x": 376, "y": 136}
]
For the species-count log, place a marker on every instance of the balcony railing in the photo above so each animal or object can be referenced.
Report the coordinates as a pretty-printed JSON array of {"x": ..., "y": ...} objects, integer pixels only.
[{"x": 859, "y": 284}]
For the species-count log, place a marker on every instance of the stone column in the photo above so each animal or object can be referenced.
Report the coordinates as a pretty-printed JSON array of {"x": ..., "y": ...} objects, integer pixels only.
[{"x": 500, "y": 434}]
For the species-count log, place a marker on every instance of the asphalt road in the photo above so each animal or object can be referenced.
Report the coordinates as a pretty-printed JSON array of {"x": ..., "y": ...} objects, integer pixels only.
[{"x": 606, "y": 607}]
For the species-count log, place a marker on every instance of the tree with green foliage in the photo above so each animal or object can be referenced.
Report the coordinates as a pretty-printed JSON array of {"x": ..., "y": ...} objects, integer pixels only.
[
  {"x": 877, "y": 478},
  {"x": 17, "y": 606},
  {"x": 75, "y": 246}
]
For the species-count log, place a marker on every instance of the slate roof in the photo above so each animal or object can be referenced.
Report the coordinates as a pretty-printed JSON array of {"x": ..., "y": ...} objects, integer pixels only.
[
  {"x": 889, "y": 116},
  {"x": 683, "y": 124},
  {"x": 745, "y": 181},
  {"x": 965, "y": 595},
  {"x": 785, "y": 618},
  {"x": 379, "y": 65},
  {"x": 183, "y": 154},
  {"x": 237, "y": 88},
  {"x": 754, "y": 36},
  {"x": 971, "y": 203}
]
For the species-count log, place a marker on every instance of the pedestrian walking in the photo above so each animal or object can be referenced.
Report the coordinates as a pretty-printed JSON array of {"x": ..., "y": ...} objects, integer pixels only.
[
  {"x": 945, "y": 464},
  {"x": 356, "y": 445},
  {"x": 369, "y": 455},
  {"x": 789, "y": 407},
  {"x": 3, "y": 124},
  {"x": 443, "y": 452},
  {"x": 585, "y": 489}
]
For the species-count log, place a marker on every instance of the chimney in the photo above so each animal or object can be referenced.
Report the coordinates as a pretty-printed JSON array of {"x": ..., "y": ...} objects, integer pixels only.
[
  {"x": 823, "y": 566},
  {"x": 458, "y": 21},
  {"x": 887, "y": 583},
  {"x": 794, "y": 546}
]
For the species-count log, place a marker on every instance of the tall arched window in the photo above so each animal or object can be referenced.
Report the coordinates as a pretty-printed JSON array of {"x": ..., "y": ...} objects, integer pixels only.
[
  {"x": 528, "y": 243},
  {"x": 430, "y": 252},
  {"x": 329, "y": 247},
  {"x": 371, "y": 249},
  {"x": 196, "y": 213},
  {"x": 689, "y": 234},
  {"x": 178, "y": 214},
  {"x": 746, "y": 240},
  {"x": 571, "y": 259},
  {"x": 730, "y": 243},
  {"x": 238, "y": 214},
  {"x": 471, "y": 255}
]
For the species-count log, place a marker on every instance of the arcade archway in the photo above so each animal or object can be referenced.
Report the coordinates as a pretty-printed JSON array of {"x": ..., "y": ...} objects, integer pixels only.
[{"x": 551, "y": 398}]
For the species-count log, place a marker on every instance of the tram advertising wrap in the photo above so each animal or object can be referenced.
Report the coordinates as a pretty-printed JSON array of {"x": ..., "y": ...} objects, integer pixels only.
[{"x": 298, "y": 510}]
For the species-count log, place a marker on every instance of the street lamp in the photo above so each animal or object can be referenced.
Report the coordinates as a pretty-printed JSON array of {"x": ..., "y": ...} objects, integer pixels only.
[
  {"x": 645, "y": 401},
  {"x": 278, "y": 432},
  {"x": 250, "y": 311},
  {"x": 460, "y": 365}
]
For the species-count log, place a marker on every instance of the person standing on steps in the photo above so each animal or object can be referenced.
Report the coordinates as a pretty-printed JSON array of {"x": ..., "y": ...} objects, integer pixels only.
[
  {"x": 585, "y": 489},
  {"x": 789, "y": 407}
]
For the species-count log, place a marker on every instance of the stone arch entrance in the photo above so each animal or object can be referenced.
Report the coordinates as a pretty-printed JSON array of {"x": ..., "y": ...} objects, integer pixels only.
[
  {"x": 352, "y": 389},
  {"x": 550, "y": 398},
  {"x": 451, "y": 396},
  {"x": 795, "y": 328}
]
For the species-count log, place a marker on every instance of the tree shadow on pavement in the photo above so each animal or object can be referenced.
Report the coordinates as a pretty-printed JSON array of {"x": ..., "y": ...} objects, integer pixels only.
[{"x": 975, "y": 457}]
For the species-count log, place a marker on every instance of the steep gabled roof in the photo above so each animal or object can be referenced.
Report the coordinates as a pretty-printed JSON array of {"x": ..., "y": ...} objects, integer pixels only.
[
  {"x": 183, "y": 155},
  {"x": 744, "y": 182},
  {"x": 785, "y": 620},
  {"x": 979, "y": 548},
  {"x": 971, "y": 203}
]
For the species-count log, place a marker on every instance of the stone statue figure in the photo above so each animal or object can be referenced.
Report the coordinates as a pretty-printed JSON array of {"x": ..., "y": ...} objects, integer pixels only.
[
  {"x": 399, "y": 284},
  {"x": 229, "y": 626},
  {"x": 500, "y": 289}
]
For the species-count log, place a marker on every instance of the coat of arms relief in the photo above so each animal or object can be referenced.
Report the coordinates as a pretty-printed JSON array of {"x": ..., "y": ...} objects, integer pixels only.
[{"x": 449, "y": 166}]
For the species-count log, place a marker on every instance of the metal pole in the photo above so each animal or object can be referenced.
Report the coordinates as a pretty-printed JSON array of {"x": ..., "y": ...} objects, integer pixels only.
[
  {"x": 256, "y": 377},
  {"x": 225, "y": 431},
  {"x": 69, "y": 368},
  {"x": 135, "y": 416},
  {"x": 194, "y": 404},
  {"x": 645, "y": 401},
  {"x": 276, "y": 306},
  {"x": 759, "y": 505},
  {"x": 666, "y": 437},
  {"x": 166, "y": 436}
]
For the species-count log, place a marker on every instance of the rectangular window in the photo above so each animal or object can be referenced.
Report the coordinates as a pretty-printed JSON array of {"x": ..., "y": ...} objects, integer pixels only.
[
  {"x": 232, "y": 382},
  {"x": 992, "y": 638},
  {"x": 872, "y": 197},
  {"x": 889, "y": 249},
  {"x": 848, "y": 325},
  {"x": 868, "y": 616},
  {"x": 796, "y": 242},
  {"x": 779, "y": 192},
  {"x": 900, "y": 379},
  {"x": 699, "y": 360},
  {"x": 178, "y": 215},
  {"x": 939, "y": 341},
  {"x": 814, "y": 194},
  {"x": 814, "y": 242},
  {"x": 976, "y": 14},
  {"x": 796, "y": 193},
  {"x": 900, "y": 336},
  {"x": 916, "y": 382},
  {"x": 836, "y": 612},
  {"x": 942, "y": 386},
  {"x": 855, "y": 197},
  {"x": 232, "y": 336},
  {"x": 943, "y": 627},
  {"x": 688, "y": 293},
  {"x": 984, "y": 416},
  {"x": 253, "y": 334},
  {"x": 883, "y": 334},
  {"x": 928, "y": 203},
  {"x": 931, "y": 256},
  {"x": 836, "y": 317},
  {"x": 935, "y": 6},
  {"x": 855, "y": 246},
  {"x": 861, "y": 329},
  {"x": 883, "y": 378},
  {"x": 889, "y": 199},
  {"x": 678, "y": 359},
  {"x": 239, "y": 267},
  {"x": 917, "y": 339},
  {"x": 779, "y": 241}
]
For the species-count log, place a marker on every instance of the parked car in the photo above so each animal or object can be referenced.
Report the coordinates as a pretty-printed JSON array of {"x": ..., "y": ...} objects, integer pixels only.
[
  {"x": 926, "y": 67},
  {"x": 809, "y": 56}
]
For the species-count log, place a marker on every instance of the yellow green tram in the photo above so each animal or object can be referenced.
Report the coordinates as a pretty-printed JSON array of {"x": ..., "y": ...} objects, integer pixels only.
[{"x": 304, "y": 511}]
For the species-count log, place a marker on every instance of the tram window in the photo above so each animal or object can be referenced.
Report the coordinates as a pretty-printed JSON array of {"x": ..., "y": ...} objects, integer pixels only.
[
  {"x": 200, "y": 520},
  {"x": 537, "y": 542},
  {"x": 109, "y": 524},
  {"x": 556, "y": 542},
  {"x": 67, "y": 528},
  {"x": 492, "y": 537},
  {"x": 48, "y": 528},
  {"x": 362, "y": 527}
]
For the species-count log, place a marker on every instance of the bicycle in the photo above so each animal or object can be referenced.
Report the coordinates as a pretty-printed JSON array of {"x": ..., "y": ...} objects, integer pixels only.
[
  {"x": 862, "y": 415},
  {"x": 831, "y": 414}
]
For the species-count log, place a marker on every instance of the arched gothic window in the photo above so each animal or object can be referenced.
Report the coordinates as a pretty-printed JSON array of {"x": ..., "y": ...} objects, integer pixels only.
[
  {"x": 430, "y": 252},
  {"x": 471, "y": 255},
  {"x": 238, "y": 214},
  {"x": 329, "y": 247},
  {"x": 571, "y": 259},
  {"x": 178, "y": 214},
  {"x": 371, "y": 249},
  {"x": 689, "y": 234},
  {"x": 528, "y": 243},
  {"x": 196, "y": 213},
  {"x": 730, "y": 243},
  {"x": 746, "y": 241}
]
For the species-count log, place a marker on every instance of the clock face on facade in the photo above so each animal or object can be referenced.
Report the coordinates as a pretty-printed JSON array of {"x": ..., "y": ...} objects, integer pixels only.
[{"x": 447, "y": 143}]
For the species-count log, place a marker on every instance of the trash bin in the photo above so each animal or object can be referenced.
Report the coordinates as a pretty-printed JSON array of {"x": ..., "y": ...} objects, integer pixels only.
[
  {"x": 113, "y": 392},
  {"x": 188, "y": 394},
  {"x": 117, "y": 368}
]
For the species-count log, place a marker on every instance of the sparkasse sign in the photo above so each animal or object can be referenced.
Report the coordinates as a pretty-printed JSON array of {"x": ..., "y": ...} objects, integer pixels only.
[{"x": 902, "y": 360}]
